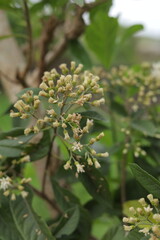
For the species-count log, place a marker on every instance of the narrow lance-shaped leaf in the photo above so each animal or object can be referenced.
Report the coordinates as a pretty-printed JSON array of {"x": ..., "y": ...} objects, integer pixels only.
[
  {"x": 144, "y": 126},
  {"x": 65, "y": 198},
  {"x": 19, "y": 221},
  {"x": 101, "y": 37},
  {"x": 97, "y": 186},
  {"x": 151, "y": 184},
  {"x": 41, "y": 149},
  {"x": 130, "y": 31},
  {"x": 68, "y": 223}
]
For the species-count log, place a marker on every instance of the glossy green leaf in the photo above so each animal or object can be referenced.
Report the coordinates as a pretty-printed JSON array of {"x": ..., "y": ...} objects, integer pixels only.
[
  {"x": 114, "y": 233},
  {"x": 19, "y": 221},
  {"x": 92, "y": 115},
  {"x": 101, "y": 37},
  {"x": 64, "y": 197},
  {"x": 118, "y": 108},
  {"x": 84, "y": 226},
  {"x": 144, "y": 126},
  {"x": 68, "y": 223},
  {"x": 12, "y": 142},
  {"x": 97, "y": 186},
  {"x": 135, "y": 235},
  {"x": 40, "y": 150},
  {"x": 35, "y": 91},
  {"x": 151, "y": 184},
  {"x": 79, "y": 53},
  {"x": 6, "y": 5},
  {"x": 130, "y": 31}
]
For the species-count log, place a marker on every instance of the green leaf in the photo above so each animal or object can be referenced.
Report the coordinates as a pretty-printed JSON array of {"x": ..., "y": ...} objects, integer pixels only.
[
  {"x": 79, "y": 53},
  {"x": 12, "y": 133},
  {"x": 151, "y": 184},
  {"x": 19, "y": 221},
  {"x": 119, "y": 108},
  {"x": 68, "y": 223},
  {"x": 101, "y": 37},
  {"x": 65, "y": 198},
  {"x": 97, "y": 186},
  {"x": 35, "y": 91},
  {"x": 130, "y": 31},
  {"x": 12, "y": 142},
  {"x": 95, "y": 209},
  {"x": 144, "y": 126},
  {"x": 114, "y": 233},
  {"x": 5, "y": 4},
  {"x": 135, "y": 235},
  {"x": 79, "y": 2},
  {"x": 40, "y": 149},
  {"x": 10, "y": 151},
  {"x": 84, "y": 226},
  {"x": 92, "y": 115},
  {"x": 16, "y": 142},
  {"x": 117, "y": 233}
]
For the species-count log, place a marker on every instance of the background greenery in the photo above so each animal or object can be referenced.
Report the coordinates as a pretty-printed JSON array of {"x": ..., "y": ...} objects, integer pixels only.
[{"x": 99, "y": 44}]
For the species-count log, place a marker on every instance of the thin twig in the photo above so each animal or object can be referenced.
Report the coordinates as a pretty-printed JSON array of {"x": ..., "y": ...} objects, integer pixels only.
[
  {"x": 47, "y": 163},
  {"x": 51, "y": 202}
]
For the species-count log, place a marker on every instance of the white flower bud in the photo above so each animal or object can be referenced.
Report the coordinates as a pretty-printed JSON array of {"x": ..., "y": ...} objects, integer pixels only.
[
  {"x": 43, "y": 86},
  {"x": 27, "y": 131},
  {"x": 89, "y": 161},
  {"x": 56, "y": 124},
  {"x": 14, "y": 114},
  {"x": 43, "y": 94},
  {"x": 128, "y": 228},
  {"x": 106, "y": 154},
  {"x": 96, "y": 163}
]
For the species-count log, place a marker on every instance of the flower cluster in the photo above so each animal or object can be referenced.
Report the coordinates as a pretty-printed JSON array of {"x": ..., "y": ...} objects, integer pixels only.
[
  {"x": 144, "y": 83},
  {"x": 64, "y": 93},
  {"x": 136, "y": 148},
  {"x": 146, "y": 218},
  {"x": 12, "y": 188},
  {"x": 139, "y": 87}
]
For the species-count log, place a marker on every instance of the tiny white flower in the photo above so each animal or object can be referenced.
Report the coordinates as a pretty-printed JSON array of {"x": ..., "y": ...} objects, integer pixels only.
[
  {"x": 128, "y": 228},
  {"x": 24, "y": 194},
  {"x": 97, "y": 164},
  {"x": 145, "y": 231},
  {"x": 5, "y": 183},
  {"x": 77, "y": 146},
  {"x": 148, "y": 209},
  {"x": 79, "y": 167},
  {"x": 125, "y": 220},
  {"x": 156, "y": 217},
  {"x": 67, "y": 165}
]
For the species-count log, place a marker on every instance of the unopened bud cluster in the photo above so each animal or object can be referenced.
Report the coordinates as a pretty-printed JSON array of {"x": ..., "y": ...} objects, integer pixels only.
[
  {"x": 136, "y": 148},
  {"x": 139, "y": 88},
  {"x": 12, "y": 187},
  {"x": 146, "y": 218},
  {"x": 65, "y": 92}
]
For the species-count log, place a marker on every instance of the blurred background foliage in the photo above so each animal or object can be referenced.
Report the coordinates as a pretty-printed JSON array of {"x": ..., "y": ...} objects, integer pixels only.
[{"x": 99, "y": 42}]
